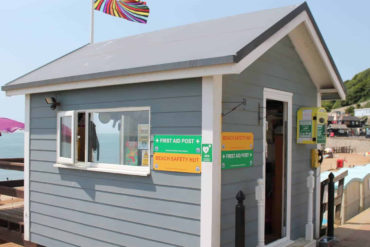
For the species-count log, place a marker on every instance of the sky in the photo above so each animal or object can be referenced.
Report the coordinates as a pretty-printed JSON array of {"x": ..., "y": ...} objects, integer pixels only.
[{"x": 34, "y": 32}]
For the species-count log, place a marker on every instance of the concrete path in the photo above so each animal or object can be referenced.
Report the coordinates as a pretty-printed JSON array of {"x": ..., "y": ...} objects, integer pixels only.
[{"x": 356, "y": 231}]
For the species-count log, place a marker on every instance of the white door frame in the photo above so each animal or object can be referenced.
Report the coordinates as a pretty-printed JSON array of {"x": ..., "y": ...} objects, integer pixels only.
[{"x": 285, "y": 97}]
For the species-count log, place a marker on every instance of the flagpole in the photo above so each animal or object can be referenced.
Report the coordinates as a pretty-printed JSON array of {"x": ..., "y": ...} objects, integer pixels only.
[{"x": 92, "y": 23}]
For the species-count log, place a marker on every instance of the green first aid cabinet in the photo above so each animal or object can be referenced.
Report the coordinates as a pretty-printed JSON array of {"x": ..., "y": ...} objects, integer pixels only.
[{"x": 311, "y": 125}]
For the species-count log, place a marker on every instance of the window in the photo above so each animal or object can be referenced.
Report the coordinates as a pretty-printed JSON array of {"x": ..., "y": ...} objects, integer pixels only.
[
  {"x": 65, "y": 137},
  {"x": 106, "y": 139}
]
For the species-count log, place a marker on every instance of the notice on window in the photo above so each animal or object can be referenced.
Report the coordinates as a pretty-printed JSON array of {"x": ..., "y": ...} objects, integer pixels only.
[
  {"x": 131, "y": 154},
  {"x": 177, "y": 153},
  {"x": 143, "y": 136},
  {"x": 145, "y": 158},
  {"x": 237, "y": 150}
]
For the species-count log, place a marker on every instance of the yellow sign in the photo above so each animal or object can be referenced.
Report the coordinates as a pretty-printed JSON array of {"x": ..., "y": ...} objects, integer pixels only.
[
  {"x": 144, "y": 158},
  {"x": 232, "y": 141},
  {"x": 190, "y": 163},
  {"x": 311, "y": 125}
]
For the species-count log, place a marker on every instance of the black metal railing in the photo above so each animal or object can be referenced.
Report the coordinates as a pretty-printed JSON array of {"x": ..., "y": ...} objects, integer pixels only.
[
  {"x": 240, "y": 220},
  {"x": 334, "y": 204}
]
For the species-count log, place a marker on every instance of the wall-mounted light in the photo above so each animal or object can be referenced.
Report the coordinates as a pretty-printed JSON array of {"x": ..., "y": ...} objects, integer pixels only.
[{"x": 52, "y": 102}]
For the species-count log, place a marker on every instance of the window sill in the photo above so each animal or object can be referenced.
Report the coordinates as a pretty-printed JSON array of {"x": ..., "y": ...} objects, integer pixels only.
[{"x": 135, "y": 171}]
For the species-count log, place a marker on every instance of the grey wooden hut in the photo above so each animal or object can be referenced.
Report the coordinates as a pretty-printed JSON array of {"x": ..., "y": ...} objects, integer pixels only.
[{"x": 177, "y": 81}]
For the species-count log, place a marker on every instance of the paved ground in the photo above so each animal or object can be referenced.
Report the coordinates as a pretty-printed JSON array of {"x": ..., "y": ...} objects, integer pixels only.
[
  {"x": 10, "y": 245},
  {"x": 356, "y": 231}
]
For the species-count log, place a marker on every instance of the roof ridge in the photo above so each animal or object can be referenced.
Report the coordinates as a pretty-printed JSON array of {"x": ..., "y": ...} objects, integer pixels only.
[{"x": 193, "y": 23}]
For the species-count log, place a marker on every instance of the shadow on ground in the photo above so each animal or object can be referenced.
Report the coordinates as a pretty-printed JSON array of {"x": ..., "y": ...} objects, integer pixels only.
[{"x": 356, "y": 231}]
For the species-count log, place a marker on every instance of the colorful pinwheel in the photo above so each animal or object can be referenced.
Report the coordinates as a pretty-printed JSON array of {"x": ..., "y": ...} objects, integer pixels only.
[{"x": 132, "y": 10}]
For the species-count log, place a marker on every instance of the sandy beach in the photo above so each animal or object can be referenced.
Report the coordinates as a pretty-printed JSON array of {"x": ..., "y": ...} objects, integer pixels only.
[{"x": 350, "y": 160}]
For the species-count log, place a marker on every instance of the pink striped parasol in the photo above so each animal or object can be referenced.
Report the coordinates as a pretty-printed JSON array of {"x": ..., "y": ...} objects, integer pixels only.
[{"x": 9, "y": 126}]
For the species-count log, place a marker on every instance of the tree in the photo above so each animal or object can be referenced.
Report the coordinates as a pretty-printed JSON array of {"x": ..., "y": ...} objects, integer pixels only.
[
  {"x": 337, "y": 104},
  {"x": 358, "y": 89},
  {"x": 328, "y": 104},
  {"x": 350, "y": 110}
]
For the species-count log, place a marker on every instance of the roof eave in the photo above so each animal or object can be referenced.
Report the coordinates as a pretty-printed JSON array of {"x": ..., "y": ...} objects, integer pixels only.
[{"x": 125, "y": 72}]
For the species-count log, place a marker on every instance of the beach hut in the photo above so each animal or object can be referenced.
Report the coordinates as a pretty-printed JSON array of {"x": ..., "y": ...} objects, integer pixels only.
[{"x": 123, "y": 138}]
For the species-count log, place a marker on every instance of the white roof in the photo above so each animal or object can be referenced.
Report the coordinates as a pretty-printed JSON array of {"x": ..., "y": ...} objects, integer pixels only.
[{"x": 222, "y": 41}]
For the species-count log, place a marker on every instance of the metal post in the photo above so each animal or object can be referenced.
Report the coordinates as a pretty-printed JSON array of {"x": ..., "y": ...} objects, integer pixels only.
[
  {"x": 260, "y": 197},
  {"x": 240, "y": 220},
  {"x": 362, "y": 197},
  {"x": 330, "y": 231},
  {"x": 92, "y": 23},
  {"x": 317, "y": 203},
  {"x": 310, "y": 187}
]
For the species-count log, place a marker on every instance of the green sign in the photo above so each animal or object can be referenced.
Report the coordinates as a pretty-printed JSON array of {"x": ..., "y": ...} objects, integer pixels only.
[
  {"x": 236, "y": 159},
  {"x": 305, "y": 129},
  {"x": 206, "y": 152},
  {"x": 180, "y": 144},
  {"x": 321, "y": 133}
]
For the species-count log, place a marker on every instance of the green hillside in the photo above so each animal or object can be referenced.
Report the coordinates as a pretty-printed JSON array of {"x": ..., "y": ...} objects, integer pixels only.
[{"x": 358, "y": 90}]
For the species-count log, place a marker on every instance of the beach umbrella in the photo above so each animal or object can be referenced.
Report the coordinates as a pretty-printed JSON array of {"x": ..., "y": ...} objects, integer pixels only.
[{"x": 9, "y": 126}]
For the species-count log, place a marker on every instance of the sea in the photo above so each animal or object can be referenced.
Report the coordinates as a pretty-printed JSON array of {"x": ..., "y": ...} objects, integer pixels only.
[{"x": 11, "y": 146}]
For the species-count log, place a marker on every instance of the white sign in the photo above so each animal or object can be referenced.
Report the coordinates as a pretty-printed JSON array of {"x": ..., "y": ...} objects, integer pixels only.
[
  {"x": 143, "y": 136},
  {"x": 362, "y": 112},
  {"x": 307, "y": 115}
]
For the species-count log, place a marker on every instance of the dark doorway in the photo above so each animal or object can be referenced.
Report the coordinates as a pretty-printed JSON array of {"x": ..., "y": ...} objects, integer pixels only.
[{"x": 275, "y": 209}]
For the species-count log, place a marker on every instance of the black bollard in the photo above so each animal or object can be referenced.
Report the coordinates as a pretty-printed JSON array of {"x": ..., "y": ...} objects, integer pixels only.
[
  {"x": 240, "y": 220},
  {"x": 330, "y": 231}
]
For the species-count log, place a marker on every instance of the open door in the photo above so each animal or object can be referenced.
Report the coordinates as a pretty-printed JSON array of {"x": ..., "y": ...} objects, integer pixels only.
[{"x": 277, "y": 153}]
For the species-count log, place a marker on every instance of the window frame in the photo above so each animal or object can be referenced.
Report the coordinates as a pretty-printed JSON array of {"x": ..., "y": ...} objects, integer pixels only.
[
  {"x": 98, "y": 166},
  {"x": 60, "y": 115}
]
